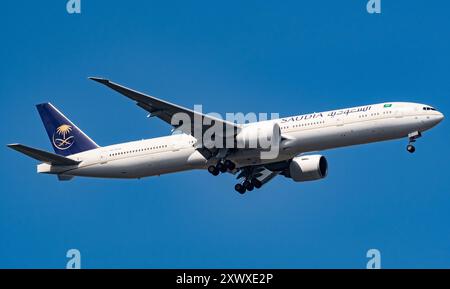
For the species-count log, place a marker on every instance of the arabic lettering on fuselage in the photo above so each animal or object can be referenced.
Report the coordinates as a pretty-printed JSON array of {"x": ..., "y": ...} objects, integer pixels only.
[
  {"x": 330, "y": 114},
  {"x": 349, "y": 110}
]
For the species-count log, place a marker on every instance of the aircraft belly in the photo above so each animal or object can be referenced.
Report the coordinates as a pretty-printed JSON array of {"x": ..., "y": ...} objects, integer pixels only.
[
  {"x": 173, "y": 161},
  {"x": 248, "y": 157},
  {"x": 139, "y": 166}
]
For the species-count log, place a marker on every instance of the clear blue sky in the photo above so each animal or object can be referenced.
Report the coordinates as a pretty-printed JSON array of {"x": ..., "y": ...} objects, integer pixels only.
[{"x": 263, "y": 56}]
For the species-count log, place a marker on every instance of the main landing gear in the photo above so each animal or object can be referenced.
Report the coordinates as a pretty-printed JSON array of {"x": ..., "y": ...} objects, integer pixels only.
[
  {"x": 221, "y": 167},
  {"x": 412, "y": 139},
  {"x": 248, "y": 185},
  {"x": 250, "y": 182}
]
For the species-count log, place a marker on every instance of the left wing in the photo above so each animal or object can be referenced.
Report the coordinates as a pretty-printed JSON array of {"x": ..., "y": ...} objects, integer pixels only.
[{"x": 166, "y": 111}]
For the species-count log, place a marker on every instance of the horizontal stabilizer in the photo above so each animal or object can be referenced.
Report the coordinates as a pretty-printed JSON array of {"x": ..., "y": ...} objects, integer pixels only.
[{"x": 44, "y": 156}]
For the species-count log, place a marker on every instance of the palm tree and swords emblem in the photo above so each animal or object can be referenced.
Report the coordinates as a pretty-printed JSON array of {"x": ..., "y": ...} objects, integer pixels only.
[{"x": 62, "y": 138}]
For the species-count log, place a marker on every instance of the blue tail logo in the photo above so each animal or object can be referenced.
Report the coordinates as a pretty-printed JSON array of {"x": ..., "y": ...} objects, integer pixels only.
[
  {"x": 66, "y": 138},
  {"x": 62, "y": 138}
]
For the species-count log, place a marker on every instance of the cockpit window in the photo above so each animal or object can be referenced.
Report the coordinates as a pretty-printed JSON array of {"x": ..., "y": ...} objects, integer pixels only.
[{"x": 428, "y": 108}]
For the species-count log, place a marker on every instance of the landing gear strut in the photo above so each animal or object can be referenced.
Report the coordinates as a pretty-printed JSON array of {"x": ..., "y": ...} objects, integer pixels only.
[{"x": 412, "y": 139}]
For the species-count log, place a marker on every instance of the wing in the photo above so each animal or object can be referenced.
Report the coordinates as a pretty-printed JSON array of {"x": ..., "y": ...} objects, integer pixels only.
[{"x": 166, "y": 111}]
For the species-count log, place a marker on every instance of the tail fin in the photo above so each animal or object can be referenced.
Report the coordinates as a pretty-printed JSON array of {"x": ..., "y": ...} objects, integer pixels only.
[{"x": 66, "y": 138}]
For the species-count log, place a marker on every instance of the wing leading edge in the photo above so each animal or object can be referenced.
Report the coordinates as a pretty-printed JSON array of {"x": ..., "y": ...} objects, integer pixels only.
[{"x": 165, "y": 110}]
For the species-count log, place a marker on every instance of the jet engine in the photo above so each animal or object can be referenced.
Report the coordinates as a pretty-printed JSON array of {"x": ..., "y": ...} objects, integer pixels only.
[
  {"x": 259, "y": 135},
  {"x": 307, "y": 168}
]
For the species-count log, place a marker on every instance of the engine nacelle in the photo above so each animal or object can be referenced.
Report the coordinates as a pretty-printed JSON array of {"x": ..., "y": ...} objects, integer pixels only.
[
  {"x": 259, "y": 136},
  {"x": 307, "y": 168}
]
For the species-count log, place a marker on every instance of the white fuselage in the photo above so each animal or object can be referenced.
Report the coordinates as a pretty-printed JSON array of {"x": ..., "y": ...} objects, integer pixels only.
[{"x": 303, "y": 133}]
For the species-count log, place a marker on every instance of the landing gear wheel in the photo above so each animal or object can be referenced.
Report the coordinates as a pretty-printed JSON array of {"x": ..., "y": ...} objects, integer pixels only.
[
  {"x": 221, "y": 167},
  {"x": 256, "y": 183},
  {"x": 213, "y": 170},
  {"x": 248, "y": 185},
  {"x": 410, "y": 148},
  {"x": 229, "y": 165},
  {"x": 240, "y": 188}
]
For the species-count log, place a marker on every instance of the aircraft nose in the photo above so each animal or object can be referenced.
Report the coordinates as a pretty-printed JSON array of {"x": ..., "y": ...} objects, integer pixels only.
[
  {"x": 439, "y": 117},
  {"x": 436, "y": 118}
]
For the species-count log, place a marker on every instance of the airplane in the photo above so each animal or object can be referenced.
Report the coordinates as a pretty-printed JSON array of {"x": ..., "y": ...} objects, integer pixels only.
[{"x": 296, "y": 138}]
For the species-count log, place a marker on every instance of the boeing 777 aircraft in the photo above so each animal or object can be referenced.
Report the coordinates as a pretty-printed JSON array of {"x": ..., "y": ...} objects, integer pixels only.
[{"x": 76, "y": 154}]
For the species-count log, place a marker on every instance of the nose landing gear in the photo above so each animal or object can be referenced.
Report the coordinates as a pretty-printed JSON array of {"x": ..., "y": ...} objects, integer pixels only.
[
  {"x": 412, "y": 139},
  {"x": 410, "y": 148}
]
